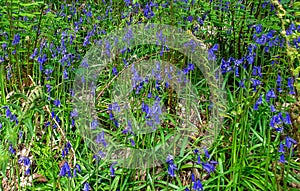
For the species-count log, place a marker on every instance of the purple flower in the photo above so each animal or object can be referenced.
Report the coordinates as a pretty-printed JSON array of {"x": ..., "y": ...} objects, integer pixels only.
[
  {"x": 211, "y": 52},
  {"x": 290, "y": 86},
  {"x": 282, "y": 159},
  {"x": 258, "y": 28},
  {"x": 94, "y": 124},
  {"x": 270, "y": 94},
  {"x": 258, "y": 102},
  {"x": 11, "y": 149},
  {"x": 77, "y": 167},
  {"x": 198, "y": 186},
  {"x": 101, "y": 139},
  {"x": 287, "y": 119},
  {"x": 56, "y": 103},
  {"x": 65, "y": 169},
  {"x": 86, "y": 187},
  {"x": 112, "y": 170},
  {"x": 16, "y": 39},
  {"x": 281, "y": 148},
  {"x": 171, "y": 166},
  {"x": 257, "y": 71},
  {"x": 272, "y": 108},
  {"x": 209, "y": 167},
  {"x": 255, "y": 83},
  {"x": 289, "y": 142},
  {"x": 115, "y": 71}
]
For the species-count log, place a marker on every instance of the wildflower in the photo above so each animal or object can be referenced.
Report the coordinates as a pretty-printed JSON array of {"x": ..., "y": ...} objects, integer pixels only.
[
  {"x": 290, "y": 86},
  {"x": 171, "y": 166},
  {"x": 289, "y": 142},
  {"x": 287, "y": 119},
  {"x": 74, "y": 170},
  {"x": 282, "y": 159},
  {"x": 206, "y": 153},
  {"x": 11, "y": 149},
  {"x": 278, "y": 82},
  {"x": 0, "y": 125},
  {"x": 258, "y": 28},
  {"x": 86, "y": 187},
  {"x": 255, "y": 83},
  {"x": 112, "y": 170},
  {"x": 56, "y": 103},
  {"x": 94, "y": 124},
  {"x": 281, "y": 148},
  {"x": 115, "y": 71},
  {"x": 65, "y": 169},
  {"x": 209, "y": 166},
  {"x": 258, "y": 102},
  {"x": 257, "y": 71},
  {"x": 270, "y": 94},
  {"x": 198, "y": 186},
  {"x": 16, "y": 39},
  {"x": 27, "y": 172},
  {"x": 100, "y": 139},
  {"x": 272, "y": 108},
  {"x": 211, "y": 52}
]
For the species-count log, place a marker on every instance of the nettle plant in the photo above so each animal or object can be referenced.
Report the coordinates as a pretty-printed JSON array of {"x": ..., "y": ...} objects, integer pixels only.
[{"x": 255, "y": 43}]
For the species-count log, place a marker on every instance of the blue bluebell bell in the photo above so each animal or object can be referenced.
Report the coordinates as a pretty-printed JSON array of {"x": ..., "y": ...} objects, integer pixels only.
[
  {"x": 65, "y": 170},
  {"x": 11, "y": 149},
  {"x": 112, "y": 169},
  {"x": 198, "y": 185},
  {"x": 86, "y": 187},
  {"x": 270, "y": 94},
  {"x": 16, "y": 39},
  {"x": 211, "y": 52},
  {"x": 171, "y": 166},
  {"x": 289, "y": 142}
]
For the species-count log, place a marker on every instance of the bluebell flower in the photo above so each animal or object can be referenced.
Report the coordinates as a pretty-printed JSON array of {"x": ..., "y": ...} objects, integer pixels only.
[
  {"x": 11, "y": 149},
  {"x": 56, "y": 103},
  {"x": 257, "y": 71},
  {"x": 171, "y": 166},
  {"x": 287, "y": 119},
  {"x": 289, "y": 142},
  {"x": 282, "y": 159},
  {"x": 86, "y": 187},
  {"x": 278, "y": 83},
  {"x": 115, "y": 71},
  {"x": 209, "y": 167},
  {"x": 101, "y": 139},
  {"x": 0, "y": 126},
  {"x": 272, "y": 108},
  {"x": 16, "y": 39},
  {"x": 258, "y": 102},
  {"x": 65, "y": 170},
  {"x": 258, "y": 28},
  {"x": 270, "y": 94},
  {"x": 291, "y": 86},
  {"x": 211, "y": 52},
  {"x": 206, "y": 153},
  {"x": 262, "y": 40},
  {"x": 198, "y": 186},
  {"x": 112, "y": 170},
  {"x": 27, "y": 172},
  {"x": 242, "y": 83},
  {"x": 281, "y": 148},
  {"x": 77, "y": 167},
  {"x": 94, "y": 124},
  {"x": 255, "y": 83},
  {"x": 198, "y": 159}
]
